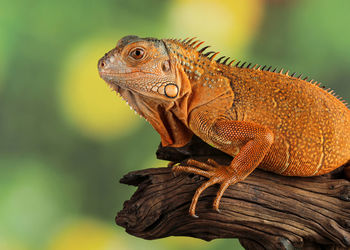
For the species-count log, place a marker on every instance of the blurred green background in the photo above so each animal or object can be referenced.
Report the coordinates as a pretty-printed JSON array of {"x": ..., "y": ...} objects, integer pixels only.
[{"x": 66, "y": 139}]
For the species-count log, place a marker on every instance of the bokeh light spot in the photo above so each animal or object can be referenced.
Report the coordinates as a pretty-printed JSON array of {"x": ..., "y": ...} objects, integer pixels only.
[
  {"x": 87, "y": 234},
  {"x": 227, "y": 24},
  {"x": 87, "y": 101},
  {"x": 33, "y": 197}
]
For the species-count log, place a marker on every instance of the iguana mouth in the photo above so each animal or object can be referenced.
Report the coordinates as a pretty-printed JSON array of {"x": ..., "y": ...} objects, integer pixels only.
[
  {"x": 110, "y": 75},
  {"x": 123, "y": 82}
]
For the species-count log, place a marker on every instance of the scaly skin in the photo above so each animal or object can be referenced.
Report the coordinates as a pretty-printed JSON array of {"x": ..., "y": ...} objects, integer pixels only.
[{"x": 263, "y": 118}]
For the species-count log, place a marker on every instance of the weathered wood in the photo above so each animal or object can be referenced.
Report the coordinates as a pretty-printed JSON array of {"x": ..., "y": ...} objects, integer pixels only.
[{"x": 265, "y": 211}]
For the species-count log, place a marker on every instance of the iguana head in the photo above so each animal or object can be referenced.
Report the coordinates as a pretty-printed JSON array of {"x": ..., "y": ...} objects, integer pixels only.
[
  {"x": 164, "y": 80},
  {"x": 147, "y": 76},
  {"x": 140, "y": 65}
]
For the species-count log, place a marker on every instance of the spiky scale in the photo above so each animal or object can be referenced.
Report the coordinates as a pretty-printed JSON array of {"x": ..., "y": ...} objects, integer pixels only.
[
  {"x": 202, "y": 49},
  {"x": 193, "y": 43},
  {"x": 224, "y": 62},
  {"x": 213, "y": 56},
  {"x": 197, "y": 46},
  {"x": 208, "y": 53},
  {"x": 219, "y": 59},
  {"x": 230, "y": 63},
  {"x": 187, "y": 42}
]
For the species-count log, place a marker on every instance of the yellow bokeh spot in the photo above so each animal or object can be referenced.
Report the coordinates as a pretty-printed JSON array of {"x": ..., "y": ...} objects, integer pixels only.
[
  {"x": 87, "y": 100},
  {"x": 227, "y": 24},
  {"x": 87, "y": 234}
]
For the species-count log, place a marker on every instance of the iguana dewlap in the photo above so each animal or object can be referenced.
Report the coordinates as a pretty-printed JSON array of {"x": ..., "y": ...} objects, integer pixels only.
[{"x": 263, "y": 118}]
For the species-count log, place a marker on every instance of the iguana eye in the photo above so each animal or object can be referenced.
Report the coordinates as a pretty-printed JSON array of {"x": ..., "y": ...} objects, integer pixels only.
[{"x": 137, "y": 53}]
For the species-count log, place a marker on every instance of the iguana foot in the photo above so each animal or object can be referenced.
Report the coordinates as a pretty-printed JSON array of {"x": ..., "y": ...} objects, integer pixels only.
[{"x": 216, "y": 174}]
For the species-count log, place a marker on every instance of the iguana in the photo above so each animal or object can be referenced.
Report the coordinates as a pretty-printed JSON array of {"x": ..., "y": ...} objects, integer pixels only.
[{"x": 262, "y": 117}]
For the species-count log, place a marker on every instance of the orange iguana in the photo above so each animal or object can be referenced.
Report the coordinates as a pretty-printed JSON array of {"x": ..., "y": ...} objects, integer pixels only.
[{"x": 262, "y": 117}]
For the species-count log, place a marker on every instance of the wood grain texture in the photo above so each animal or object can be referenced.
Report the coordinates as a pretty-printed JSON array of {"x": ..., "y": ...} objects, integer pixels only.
[{"x": 265, "y": 211}]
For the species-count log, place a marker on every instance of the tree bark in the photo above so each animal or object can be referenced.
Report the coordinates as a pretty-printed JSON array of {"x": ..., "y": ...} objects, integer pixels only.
[{"x": 265, "y": 211}]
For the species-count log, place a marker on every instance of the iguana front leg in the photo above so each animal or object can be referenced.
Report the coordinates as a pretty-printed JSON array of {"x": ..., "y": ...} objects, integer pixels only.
[{"x": 251, "y": 139}]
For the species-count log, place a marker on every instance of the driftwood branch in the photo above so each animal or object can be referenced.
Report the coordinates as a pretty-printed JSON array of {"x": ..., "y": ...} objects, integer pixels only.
[{"x": 265, "y": 211}]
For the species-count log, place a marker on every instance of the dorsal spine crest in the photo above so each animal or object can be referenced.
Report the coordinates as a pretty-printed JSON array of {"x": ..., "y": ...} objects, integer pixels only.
[{"x": 194, "y": 60}]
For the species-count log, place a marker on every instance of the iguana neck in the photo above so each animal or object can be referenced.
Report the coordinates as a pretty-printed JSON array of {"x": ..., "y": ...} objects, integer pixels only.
[{"x": 169, "y": 119}]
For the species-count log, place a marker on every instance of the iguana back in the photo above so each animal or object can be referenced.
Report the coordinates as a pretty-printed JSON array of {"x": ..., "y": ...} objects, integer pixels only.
[{"x": 311, "y": 125}]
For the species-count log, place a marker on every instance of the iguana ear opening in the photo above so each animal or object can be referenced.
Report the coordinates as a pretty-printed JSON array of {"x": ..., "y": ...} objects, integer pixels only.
[
  {"x": 166, "y": 66},
  {"x": 171, "y": 90}
]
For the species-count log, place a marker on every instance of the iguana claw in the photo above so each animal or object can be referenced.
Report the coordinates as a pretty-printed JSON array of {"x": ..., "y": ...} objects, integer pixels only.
[{"x": 217, "y": 174}]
